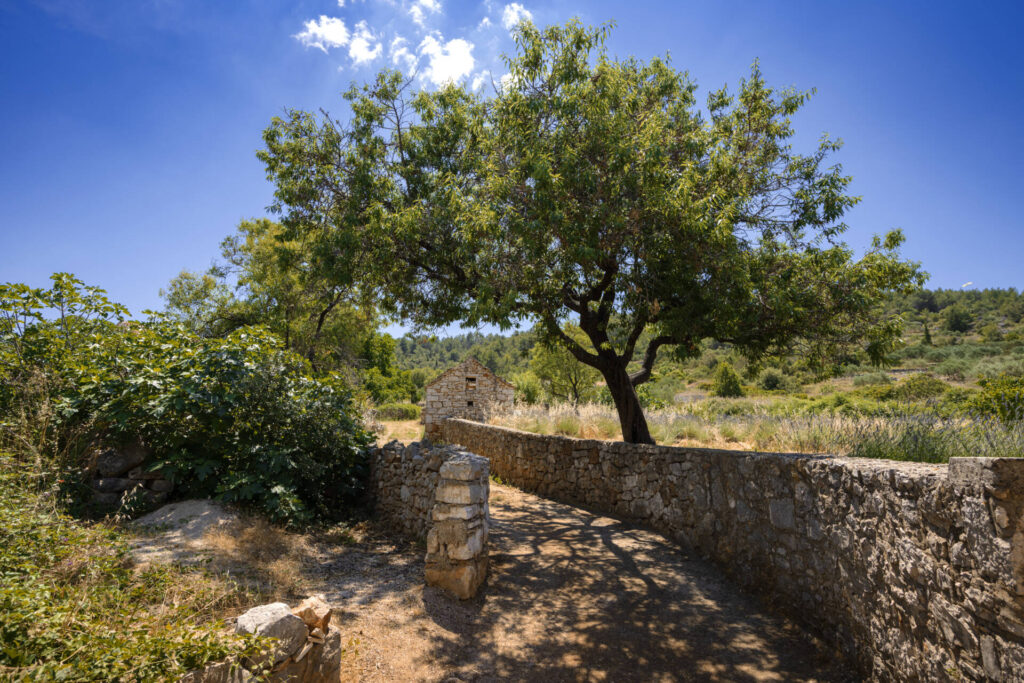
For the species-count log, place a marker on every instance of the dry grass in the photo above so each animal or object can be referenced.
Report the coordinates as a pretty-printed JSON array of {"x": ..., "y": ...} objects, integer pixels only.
[
  {"x": 676, "y": 428},
  {"x": 402, "y": 430},
  {"x": 263, "y": 556},
  {"x": 919, "y": 437}
]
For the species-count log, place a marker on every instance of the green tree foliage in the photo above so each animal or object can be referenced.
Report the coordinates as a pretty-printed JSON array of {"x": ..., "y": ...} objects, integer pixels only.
[
  {"x": 563, "y": 377},
  {"x": 504, "y": 355},
  {"x": 597, "y": 191},
  {"x": 958, "y": 318},
  {"x": 382, "y": 380},
  {"x": 236, "y": 417},
  {"x": 266, "y": 279},
  {"x": 726, "y": 382},
  {"x": 39, "y": 357},
  {"x": 199, "y": 301}
]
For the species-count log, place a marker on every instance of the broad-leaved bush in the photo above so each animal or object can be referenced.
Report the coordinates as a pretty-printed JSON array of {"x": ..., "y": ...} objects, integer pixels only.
[{"x": 237, "y": 418}]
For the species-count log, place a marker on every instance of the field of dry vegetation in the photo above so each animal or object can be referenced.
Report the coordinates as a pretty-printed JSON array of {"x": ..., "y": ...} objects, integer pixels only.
[{"x": 764, "y": 425}]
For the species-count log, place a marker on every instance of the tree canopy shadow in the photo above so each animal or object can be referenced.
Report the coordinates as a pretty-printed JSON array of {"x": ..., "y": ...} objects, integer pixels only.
[{"x": 576, "y": 596}]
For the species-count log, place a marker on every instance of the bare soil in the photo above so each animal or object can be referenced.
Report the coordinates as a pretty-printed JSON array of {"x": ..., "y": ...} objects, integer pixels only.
[{"x": 571, "y": 596}]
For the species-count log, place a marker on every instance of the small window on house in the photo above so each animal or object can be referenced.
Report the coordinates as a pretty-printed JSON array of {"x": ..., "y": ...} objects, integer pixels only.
[
  {"x": 470, "y": 383},
  {"x": 469, "y": 404}
]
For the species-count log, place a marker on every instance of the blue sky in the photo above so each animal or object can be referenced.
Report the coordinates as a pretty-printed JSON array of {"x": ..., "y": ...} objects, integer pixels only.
[{"x": 129, "y": 127}]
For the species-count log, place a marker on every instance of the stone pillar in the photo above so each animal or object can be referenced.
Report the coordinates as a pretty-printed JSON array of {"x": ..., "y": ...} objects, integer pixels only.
[{"x": 457, "y": 541}]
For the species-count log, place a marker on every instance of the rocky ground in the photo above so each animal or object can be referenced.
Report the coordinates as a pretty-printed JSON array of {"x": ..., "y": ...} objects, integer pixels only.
[{"x": 572, "y": 596}]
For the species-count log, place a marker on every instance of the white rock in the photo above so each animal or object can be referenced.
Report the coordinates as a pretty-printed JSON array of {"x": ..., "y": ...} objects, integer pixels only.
[
  {"x": 465, "y": 467},
  {"x": 275, "y": 621}
]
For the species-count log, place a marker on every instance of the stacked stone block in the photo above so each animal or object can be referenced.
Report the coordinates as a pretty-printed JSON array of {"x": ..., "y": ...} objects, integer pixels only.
[
  {"x": 302, "y": 646},
  {"x": 915, "y": 571},
  {"x": 468, "y": 390},
  {"x": 117, "y": 474},
  {"x": 457, "y": 542}
]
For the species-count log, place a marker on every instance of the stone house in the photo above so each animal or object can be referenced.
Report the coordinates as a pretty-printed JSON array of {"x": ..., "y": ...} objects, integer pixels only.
[{"x": 469, "y": 390}]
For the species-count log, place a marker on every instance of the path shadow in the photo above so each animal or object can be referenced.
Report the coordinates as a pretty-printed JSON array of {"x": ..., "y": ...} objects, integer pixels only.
[{"x": 576, "y": 596}]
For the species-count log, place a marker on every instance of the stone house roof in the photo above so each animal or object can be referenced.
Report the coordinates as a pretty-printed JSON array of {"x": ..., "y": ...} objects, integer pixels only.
[{"x": 470, "y": 365}]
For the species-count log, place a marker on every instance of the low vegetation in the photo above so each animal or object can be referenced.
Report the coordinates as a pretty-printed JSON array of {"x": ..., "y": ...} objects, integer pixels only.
[
  {"x": 924, "y": 432},
  {"x": 236, "y": 417},
  {"x": 72, "y": 606},
  {"x": 398, "y": 411}
]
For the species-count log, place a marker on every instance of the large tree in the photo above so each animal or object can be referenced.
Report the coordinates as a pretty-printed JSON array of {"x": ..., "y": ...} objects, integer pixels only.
[
  {"x": 266, "y": 279},
  {"x": 594, "y": 191}
]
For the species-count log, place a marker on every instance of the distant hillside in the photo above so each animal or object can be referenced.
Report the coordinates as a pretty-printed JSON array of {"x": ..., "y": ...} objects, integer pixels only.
[
  {"x": 505, "y": 355},
  {"x": 970, "y": 334}
]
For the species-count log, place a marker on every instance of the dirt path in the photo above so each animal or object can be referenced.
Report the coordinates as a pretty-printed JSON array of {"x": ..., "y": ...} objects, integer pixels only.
[{"x": 572, "y": 596}]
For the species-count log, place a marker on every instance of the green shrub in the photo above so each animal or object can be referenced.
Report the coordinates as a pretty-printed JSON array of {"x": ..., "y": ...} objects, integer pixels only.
[
  {"x": 954, "y": 369},
  {"x": 920, "y": 387},
  {"x": 957, "y": 318},
  {"x": 991, "y": 333},
  {"x": 73, "y": 608},
  {"x": 1001, "y": 397},
  {"x": 871, "y": 379},
  {"x": 399, "y": 411},
  {"x": 726, "y": 383},
  {"x": 238, "y": 418},
  {"x": 773, "y": 379},
  {"x": 529, "y": 389}
]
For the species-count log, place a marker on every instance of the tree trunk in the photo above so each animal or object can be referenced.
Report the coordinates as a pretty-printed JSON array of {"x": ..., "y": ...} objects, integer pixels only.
[{"x": 631, "y": 414}]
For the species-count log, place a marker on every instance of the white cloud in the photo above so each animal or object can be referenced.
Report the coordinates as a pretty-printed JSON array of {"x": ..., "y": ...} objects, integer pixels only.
[
  {"x": 324, "y": 33},
  {"x": 513, "y": 14},
  {"x": 484, "y": 23},
  {"x": 479, "y": 79},
  {"x": 401, "y": 55},
  {"x": 341, "y": 3},
  {"x": 365, "y": 46},
  {"x": 420, "y": 9},
  {"x": 449, "y": 61}
]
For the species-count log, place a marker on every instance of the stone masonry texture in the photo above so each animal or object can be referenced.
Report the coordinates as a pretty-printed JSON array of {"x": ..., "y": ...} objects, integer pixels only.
[
  {"x": 438, "y": 494},
  {"x": 914, "y": 571},
  {"x": 405, "y": 479},
  {"x": 468, "y": 390},
  {"x": 457, "y": 541}
]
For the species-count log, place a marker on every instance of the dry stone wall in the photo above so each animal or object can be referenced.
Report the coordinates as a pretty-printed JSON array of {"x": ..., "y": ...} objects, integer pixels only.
[
  {"x": 469, "y": 390},
  {"x": 405, "y": 479},
  {"x": 437, "y": 493},
  {"x": 120, "y": 474},
  {"x": 915, "y": 571}
]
